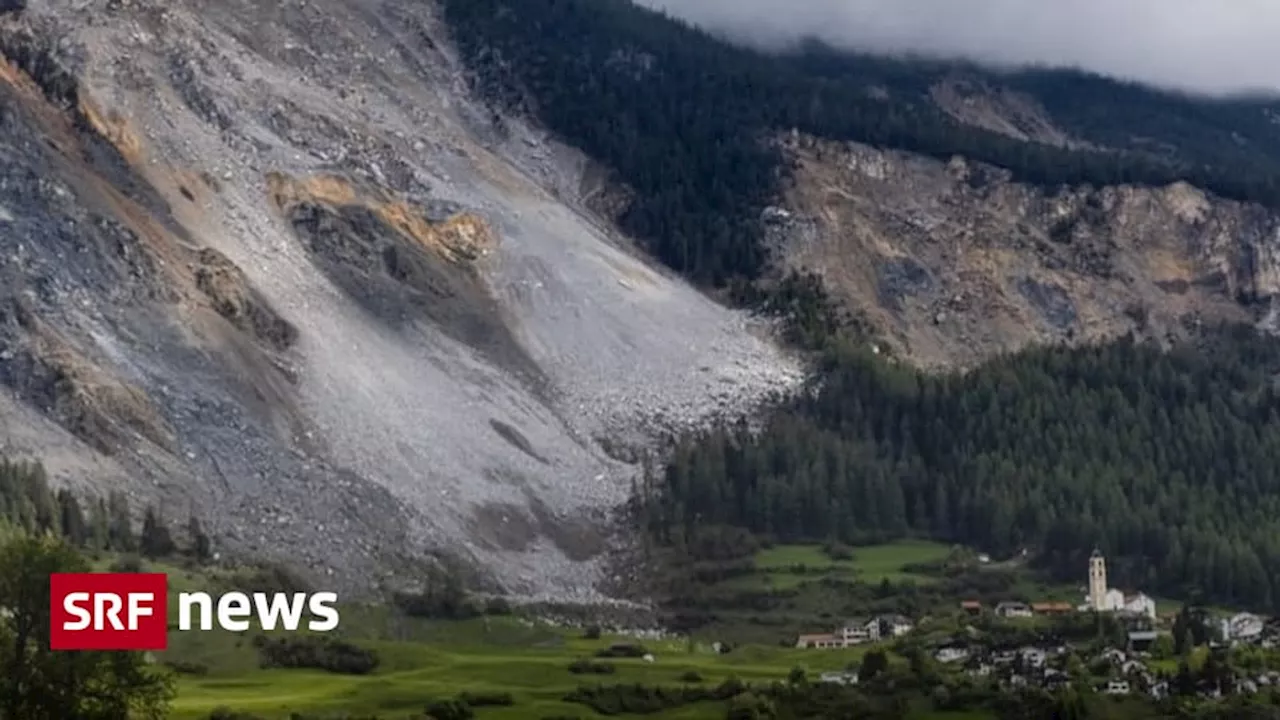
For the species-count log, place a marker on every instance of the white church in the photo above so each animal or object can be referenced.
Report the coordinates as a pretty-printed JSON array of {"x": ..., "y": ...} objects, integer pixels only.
[{"x": 1104, "y": 599}]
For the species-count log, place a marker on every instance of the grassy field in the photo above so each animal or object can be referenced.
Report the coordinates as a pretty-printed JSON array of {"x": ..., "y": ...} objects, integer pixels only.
[
  {"x": 424, "y": 660},
  {"x": 776, "y": 566},
  {"x": 494, "y": 654}
]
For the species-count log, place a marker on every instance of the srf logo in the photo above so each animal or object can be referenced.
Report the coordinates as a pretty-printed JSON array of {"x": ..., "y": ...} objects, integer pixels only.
[
  {"x": 108, "y": 611},
  {"x": 129, "y": 611}
]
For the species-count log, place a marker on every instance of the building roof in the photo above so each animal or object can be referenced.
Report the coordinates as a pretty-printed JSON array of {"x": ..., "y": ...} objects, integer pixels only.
[
  {"x": 895, "y": 619},
  {"x": 970, "y": 604},
  {"x": 1011, "y": 604},
  {"x": 816, "y": 637},
  {"x": 1052, "y": 607}
]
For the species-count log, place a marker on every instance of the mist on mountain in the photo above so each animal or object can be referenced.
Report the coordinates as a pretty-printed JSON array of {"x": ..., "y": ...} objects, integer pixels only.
[{"x": 1196, "y": 45}]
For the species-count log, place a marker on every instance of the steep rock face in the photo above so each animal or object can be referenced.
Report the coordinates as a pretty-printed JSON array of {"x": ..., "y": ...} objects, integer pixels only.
[
  {"x": 267, "y": 263},
  {"x": 954, "y": 262}
]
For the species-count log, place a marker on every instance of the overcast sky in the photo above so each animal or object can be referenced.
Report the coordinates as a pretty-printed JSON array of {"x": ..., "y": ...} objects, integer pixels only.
[{"x": 1208, "y": 45}]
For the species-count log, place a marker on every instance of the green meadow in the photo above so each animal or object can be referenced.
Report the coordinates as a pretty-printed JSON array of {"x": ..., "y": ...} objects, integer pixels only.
[
  {"x": 779, "y": 567},
  {"x": 423, "y": 660},
  {"x": 446, "y": 658}
]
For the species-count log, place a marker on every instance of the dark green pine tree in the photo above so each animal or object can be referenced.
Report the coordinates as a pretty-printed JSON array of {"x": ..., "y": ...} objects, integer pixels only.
[{"x": 155, "y": 541}]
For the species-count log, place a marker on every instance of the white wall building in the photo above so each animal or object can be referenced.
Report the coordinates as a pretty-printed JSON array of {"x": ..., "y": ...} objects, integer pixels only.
[
  {"x": 1244, "y": 626},
  {"x": 1104, "y": 599}
]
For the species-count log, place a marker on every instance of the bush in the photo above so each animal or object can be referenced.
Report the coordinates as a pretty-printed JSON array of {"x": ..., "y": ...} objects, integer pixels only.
[
  {"x": 487, "y": 699},
  {"x": 269, "y": 579},
  {"x": 497, "y": 606},
  {"x": 637, "y": 699},
  {"x": 622, "y": 650},
  {"x": 838, "y": 551},
  {"x": 749, "y": 706},
  {"x": 315, "y": 651},
  {"x": 584, "y": 667},
  {"x": 592, "y": 632},
  {"x": 449, "y": 710},
  {"x": 187, "y": 668},
  {"x": 127, "y": 564},
  {"x": 437, "y": 606},
  {"x": 690, "y": 676},
  {"x": 226, "y": 713}
]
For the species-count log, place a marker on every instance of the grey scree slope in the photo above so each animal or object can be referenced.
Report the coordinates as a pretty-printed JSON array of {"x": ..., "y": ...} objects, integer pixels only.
[{"x": 396, "y": 438}]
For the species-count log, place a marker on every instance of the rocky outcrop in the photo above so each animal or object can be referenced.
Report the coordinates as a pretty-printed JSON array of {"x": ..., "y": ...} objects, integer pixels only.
[{"x": 954, "y": 262}]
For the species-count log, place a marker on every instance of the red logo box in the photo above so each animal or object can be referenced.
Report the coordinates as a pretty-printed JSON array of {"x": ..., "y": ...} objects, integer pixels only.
[{"x": 108, "y": 611}]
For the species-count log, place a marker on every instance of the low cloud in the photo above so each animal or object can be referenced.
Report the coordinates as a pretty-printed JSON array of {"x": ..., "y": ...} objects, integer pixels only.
[{"x": 1212, "y": 46}]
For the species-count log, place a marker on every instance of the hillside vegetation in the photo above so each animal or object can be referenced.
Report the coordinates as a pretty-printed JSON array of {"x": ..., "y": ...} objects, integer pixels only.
[
  {"x": 1165, "y": 460},
  {"x": 685, "y": 120}
]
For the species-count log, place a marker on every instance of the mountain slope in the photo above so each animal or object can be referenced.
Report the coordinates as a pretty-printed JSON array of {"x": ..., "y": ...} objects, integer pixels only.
[
  {"x": 270, "y": 265},
  {"x": 955, "y": 263},
  {"x": 1029, "y": 207}
]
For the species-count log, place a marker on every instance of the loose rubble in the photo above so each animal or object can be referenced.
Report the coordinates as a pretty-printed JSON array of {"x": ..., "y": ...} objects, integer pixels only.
[{"x": 304, "y": 428}]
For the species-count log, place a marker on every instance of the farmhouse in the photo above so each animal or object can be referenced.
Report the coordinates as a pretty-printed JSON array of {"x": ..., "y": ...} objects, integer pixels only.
[
  {"x": 854, "y": 632},
  {"x": 1011, "y": 609},
  {"x": 1052, "y": 608},
  {"x": 895, "y": 625},
  {"x": 819, "y": 641}
]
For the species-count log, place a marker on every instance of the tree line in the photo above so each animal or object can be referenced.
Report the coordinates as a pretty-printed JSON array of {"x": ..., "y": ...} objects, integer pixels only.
[
  {"x": 1168, "y": 461},
  {"x": 31, "y": 506}
]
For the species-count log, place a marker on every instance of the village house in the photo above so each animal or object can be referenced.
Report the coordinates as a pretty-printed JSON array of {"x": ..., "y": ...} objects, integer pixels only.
[
  {"x": 1032, "y": 657},
  {"x": 839, "y": 678},
  {"x": 895, "y": 625},
  {"x": 1139, "y": 604},
  {"x": 1056, "y": 679},
  {"x": 951, "y": 654},
  {"x": 973, "y": 607},
  {"x": 1052, "y": 608},
  {"x": 1140, "y": 641},
  {"x": 819, "y": 641},
  {"x": 1243, "y": 626},
  {"x": 1114, "y": 656},
  {"x": 1116, "y": 687},
  {"x": 1133, "y": 667},
  {"x": 1011, "y": 609},
  {"x": 857, "y": 632},
  {"x": 854, "y": 632}
]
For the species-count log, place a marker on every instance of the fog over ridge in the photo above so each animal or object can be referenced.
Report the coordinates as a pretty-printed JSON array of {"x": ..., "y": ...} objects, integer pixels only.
[{"x": 1215, "y": 46}]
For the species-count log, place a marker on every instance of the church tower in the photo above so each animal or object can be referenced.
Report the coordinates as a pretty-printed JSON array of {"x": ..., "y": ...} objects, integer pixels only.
[{"x": 1097, "y": 581}]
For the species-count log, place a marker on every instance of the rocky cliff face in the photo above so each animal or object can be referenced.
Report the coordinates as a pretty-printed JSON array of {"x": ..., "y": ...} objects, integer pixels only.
[
  {"x": 268, "y": 263},
  {"x": 954, "y": 262}
]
